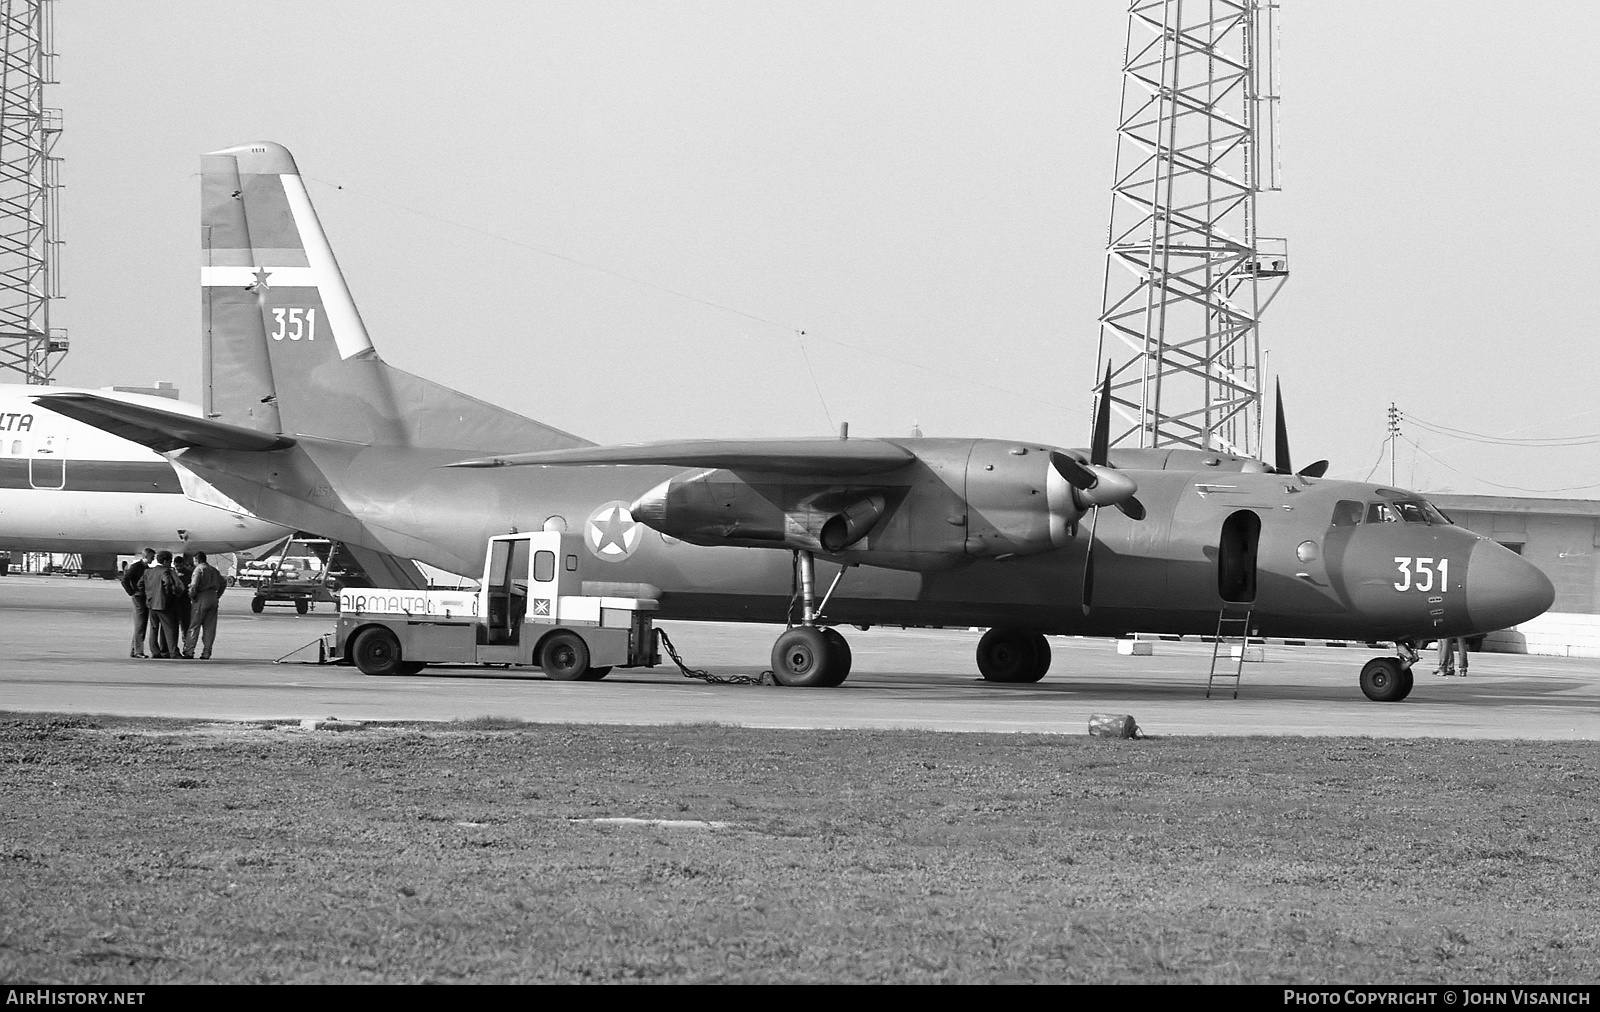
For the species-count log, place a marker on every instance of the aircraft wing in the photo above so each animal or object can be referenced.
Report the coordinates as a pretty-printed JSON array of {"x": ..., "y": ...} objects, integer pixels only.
[
  {"x": 775, "y": 456},
  {"x": 162, "y": 431}
]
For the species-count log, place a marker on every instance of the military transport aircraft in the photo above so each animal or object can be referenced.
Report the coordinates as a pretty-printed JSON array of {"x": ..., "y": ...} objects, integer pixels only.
[
  {"x": 67, "y": 487},
  {"x": 305, "y": 424}
]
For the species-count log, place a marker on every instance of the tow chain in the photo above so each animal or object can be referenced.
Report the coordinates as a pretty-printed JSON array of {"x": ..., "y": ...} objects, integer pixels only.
[{"x": 765, "y": 678}]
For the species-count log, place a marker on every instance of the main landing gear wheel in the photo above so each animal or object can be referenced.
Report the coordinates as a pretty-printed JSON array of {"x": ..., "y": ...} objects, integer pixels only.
[
  {"x": 377, "y": 652},
  {"x": 1011, "y": 655},
  {"x": 1386, "y": 680},
  {"x": 808, "y": 657},
  {"x": 565, "y": 657},
  {"x": 841, "y": 650}
]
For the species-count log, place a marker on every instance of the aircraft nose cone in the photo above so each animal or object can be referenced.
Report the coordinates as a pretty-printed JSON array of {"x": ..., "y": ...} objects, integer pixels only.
[
  {"x": 651, "y": 508},
  {"x": 1503, "y": 588}
]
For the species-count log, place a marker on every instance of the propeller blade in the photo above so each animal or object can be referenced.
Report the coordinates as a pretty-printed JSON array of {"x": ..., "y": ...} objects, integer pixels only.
[
  {"x": 1100, "y": 447},
  {"x": 1315, "y": 470},
  {"x": 1281, "y": 463},
  {"x": 1088, "y": 565},
  {"x": 1078, "y": 476},
  {"x": 1132, "y": 508}
]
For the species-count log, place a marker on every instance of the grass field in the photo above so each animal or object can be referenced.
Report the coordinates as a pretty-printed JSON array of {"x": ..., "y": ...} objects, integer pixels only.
[{"x": 161, "y": 851}]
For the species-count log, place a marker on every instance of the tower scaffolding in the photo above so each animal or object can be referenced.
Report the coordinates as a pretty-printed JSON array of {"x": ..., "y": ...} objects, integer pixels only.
[
  {"x": 1187, "y": 276},
  {"x": 30, "y": 183}
]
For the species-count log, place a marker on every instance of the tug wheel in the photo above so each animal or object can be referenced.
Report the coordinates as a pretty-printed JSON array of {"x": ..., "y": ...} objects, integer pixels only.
[
  {"x": 377, "y": 652},
  {"x": 565, "y": 657}
]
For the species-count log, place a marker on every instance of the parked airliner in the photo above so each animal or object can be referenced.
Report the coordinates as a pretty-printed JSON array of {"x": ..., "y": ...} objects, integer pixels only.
[{"x": 66, "y": 487}]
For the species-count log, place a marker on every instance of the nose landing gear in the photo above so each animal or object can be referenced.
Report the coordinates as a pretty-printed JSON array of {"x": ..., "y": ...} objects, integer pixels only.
[{"x": 1389, "y": 679}]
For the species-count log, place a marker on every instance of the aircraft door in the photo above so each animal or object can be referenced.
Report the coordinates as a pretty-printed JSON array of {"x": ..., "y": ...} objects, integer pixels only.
[
  {"x": 47, "y": 465},
  {"x": 1236, "y": 556}
]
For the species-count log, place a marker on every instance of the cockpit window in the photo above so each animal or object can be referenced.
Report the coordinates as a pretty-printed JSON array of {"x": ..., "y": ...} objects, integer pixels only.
[
  {"x": 1346, "y": 513},
  {"x": 1411, "y": 511},
  {"x": 1430, "y": 513},
  {"x": 1381, "y": 513}
]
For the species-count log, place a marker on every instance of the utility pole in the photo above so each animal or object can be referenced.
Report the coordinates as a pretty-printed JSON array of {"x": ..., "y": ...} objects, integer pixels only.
[
  {"x": 1395, "y": 417},
  {"x": 30, "y": 186},
  {"x": 1187, "y": 277}
]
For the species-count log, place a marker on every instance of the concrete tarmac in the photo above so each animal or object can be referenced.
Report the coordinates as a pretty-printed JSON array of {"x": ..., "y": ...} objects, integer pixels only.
[{"x": 64, "y": 648}]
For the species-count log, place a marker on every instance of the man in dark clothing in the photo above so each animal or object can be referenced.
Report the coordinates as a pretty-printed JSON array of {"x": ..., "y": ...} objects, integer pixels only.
[
  {"x": 205, "y": 590},
  {"x": 133, "y": 583},
  {"x": 161, "y": 592},
  {"x": 183, "y": 569}
]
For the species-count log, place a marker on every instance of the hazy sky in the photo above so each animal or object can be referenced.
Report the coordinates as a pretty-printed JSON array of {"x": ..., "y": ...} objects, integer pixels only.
[{"x": 616, "y": 216}]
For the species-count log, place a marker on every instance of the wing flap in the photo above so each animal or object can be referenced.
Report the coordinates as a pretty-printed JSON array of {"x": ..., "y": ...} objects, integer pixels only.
[
  {"x": 162, "y": 431},
  {"x": 775, "y": 456}
]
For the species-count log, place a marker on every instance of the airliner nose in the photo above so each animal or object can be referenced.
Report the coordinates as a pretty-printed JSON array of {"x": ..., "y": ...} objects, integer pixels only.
[{"x": 1503, "y": 588}]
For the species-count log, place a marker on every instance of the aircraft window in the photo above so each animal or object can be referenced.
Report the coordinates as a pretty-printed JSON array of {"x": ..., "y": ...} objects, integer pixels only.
[
  {"x": 1346, "y": 513},
  {"x": 544, "y": 566},
  {"x": 1380, "y": 513},
  {"x": 1419, "y": 512},
  {"x": 1434, "y": 514}
]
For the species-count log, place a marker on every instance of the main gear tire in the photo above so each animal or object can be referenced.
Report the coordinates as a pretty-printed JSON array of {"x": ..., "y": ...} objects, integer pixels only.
[
  {"x": 806, "y": 657},
  {"x": 1012, "y": 655},
  {"x": 842, "y": 656}
]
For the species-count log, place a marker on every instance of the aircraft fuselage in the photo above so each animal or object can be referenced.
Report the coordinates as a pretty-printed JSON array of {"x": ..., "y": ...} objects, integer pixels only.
[{"x": 1298, "y": 551}]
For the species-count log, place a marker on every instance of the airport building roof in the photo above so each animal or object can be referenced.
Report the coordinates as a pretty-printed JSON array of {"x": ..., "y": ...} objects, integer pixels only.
[{"x": 1515, "y": 504}]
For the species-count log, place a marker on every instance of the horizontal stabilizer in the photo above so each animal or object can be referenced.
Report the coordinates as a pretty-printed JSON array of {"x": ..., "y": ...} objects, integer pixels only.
[
  {"x": 777, "y": 456},
  {"x": 162, "y": 431}
]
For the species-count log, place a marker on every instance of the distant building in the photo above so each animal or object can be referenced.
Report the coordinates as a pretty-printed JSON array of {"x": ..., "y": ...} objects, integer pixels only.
[
  {"x": 159, "y": 390},
  {"x": 1561, "y": 537}
]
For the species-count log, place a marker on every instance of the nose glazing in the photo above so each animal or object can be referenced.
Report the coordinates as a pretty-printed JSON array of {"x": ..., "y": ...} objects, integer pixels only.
[{"x": 1503, "y": 588}]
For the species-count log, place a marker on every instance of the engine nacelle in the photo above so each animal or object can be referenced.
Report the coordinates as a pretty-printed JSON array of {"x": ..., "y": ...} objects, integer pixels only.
[
  {"x": 718, "y": 508},
  {"x": 1018, "y": 503},
  {"x": 959, "y": 500}
]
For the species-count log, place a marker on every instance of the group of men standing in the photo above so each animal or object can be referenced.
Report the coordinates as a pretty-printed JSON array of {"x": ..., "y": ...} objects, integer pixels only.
[{"x": 172, "y": 608}]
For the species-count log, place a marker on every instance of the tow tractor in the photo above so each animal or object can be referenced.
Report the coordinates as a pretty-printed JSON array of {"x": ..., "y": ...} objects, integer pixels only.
[{"x": 529, "y": 610}]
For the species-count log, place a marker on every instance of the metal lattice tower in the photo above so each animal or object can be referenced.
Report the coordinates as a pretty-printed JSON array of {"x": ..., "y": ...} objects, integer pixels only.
[
  {"x": 1187, "y": 276},
  {"x": 30, "y": 182}
]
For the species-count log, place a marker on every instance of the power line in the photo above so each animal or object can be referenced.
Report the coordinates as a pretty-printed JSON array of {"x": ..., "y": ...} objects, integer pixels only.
[
  {"x": 788, "y": 329},
  {"x": 1512, "y": 488},
  {"x": 1479, "y": 437}
]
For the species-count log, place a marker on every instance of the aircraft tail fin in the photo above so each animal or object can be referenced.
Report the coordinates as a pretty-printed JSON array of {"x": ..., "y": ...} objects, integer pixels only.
[{"x": 286, "y": 351}]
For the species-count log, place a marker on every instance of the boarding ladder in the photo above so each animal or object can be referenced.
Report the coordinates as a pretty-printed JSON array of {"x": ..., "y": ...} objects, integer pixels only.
[{"x": 1233, "y": 621}]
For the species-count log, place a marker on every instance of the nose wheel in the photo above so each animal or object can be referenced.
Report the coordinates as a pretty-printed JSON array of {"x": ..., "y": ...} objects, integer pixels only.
[
  {"x": 809, "y": 656},
  {"x": 1389, "y": 679}
]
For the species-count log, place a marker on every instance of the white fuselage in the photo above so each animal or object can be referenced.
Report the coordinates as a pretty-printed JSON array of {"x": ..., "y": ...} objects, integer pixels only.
[{"x": 69, "y": 487}]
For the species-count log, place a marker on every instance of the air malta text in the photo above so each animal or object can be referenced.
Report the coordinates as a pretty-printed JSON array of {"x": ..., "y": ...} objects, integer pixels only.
[{"x": 13, "y": 421}]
